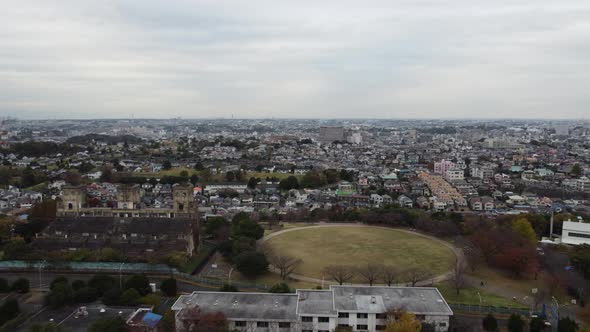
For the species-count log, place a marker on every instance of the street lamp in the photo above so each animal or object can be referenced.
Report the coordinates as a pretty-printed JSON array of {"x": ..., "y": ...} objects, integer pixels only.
[
  {"x": 229, "y": 276},
  {"x": 41, "y": 265},
  {"x": 479, "y": 295},
  {"x": 121, "y": 276}
]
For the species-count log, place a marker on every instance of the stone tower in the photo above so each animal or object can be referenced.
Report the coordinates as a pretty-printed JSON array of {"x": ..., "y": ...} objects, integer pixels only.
[
  {"x": 73, "y": 198},
  {"x": 128, "y": 197},
  {"x": 183, "y": 199}
]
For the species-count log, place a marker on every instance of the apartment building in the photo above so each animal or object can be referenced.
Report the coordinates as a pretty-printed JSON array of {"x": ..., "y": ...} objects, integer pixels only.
[{"x": 363, "y": 308}]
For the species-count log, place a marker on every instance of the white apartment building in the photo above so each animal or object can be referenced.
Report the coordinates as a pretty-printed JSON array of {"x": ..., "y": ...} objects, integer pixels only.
[
  {"x": 575, "y": 233},
  {"x": 455, "y": 174},
  {"x": 363, "y": 308}
]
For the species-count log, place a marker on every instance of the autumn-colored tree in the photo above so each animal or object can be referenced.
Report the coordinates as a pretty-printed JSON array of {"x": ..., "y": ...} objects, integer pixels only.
[
  {"x": 518, "y": 260},
  {"x": 406, "y": 322},
  {"x": 523, "y": 227},
  {"x": 194, "y": 320}
]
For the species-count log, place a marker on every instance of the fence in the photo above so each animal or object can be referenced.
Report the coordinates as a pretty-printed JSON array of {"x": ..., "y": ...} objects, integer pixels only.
[
  {"x": 488, "y": 309},
  {"x": 124, "y": 268}
]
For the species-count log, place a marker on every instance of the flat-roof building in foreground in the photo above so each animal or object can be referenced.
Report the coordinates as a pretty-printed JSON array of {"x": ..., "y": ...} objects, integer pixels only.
[{"x": 363, "y": 308}]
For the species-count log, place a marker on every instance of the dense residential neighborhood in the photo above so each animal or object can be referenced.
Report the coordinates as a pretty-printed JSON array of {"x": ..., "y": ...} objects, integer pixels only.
[{"x": 298, "y": 225}]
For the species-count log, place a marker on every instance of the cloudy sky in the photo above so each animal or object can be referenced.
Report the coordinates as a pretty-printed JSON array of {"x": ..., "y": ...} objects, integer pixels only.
[{"x": 296, "y": 59}]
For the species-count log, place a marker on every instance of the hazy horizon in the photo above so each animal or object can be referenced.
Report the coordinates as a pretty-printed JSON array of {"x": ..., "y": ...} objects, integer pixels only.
[{"x": 422, "y": 59}]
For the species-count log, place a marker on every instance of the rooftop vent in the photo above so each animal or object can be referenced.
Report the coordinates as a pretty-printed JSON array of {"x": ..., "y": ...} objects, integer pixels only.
[{"x": 373, "y": 300}]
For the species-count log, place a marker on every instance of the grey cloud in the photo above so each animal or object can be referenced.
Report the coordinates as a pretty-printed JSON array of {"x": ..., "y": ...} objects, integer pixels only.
[{"x": 423, "y": 58}]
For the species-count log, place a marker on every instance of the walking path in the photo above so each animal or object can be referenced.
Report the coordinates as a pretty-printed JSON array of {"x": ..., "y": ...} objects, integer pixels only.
[{"x": 456, "y": 251}]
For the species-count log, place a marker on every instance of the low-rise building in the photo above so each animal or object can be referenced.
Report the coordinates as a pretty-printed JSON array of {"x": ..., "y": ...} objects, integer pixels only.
[{"x": 363, "y": 308}]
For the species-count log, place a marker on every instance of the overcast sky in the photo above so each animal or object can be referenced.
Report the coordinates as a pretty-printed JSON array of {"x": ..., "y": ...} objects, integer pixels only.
[{"x": 296, "y": 59}]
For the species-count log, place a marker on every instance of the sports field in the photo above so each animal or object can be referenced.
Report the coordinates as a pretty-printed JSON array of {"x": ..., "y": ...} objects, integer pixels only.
[{"x": 345, "y": 245}]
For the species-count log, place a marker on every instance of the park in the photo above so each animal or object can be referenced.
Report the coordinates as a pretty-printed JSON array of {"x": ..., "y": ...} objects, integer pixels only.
[{"x": 354, "y": 245}]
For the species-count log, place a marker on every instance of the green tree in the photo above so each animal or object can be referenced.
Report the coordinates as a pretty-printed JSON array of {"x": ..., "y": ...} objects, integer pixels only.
[
  {"x": 249, "y": 228},
  {"x": 168, "y": 322},
  {"x": 580, "y": 259},
  {"x": 4, "y": 286},
  {"x": 58, "y": 280},
  {"x": 130, "y": 297},
  {"x": 312, "y": 179},
  {"x": 567, "y": 324},
  {"x": 576, "y": 170},
  {"x": 252, "y": 182},
  {"x": 168, "y": 287},
  {"x": 536, "y": 324},
  {"x": 85, "y": 295},
  {"x": 60, "y": 294},
  {"x": 9, "y": 310},
  {"x": 140, "y": 283},
  {"x": 108, "y": 324},
  {"x": 78, "y": 284},
  {"x": 516, "y": 323},
  {"x": 47, "y": 327},
  {"x": 289, "y": 183},
  {"x": 280, "y": 288},
  {"x": 490, "y": 323},
  {"x": 251, "y": 263},
  {"x": 21, "y": 285},
  {"x": 523, "y": 227},
  {"x": 184, "y": 174},
  {"x": 167, "y": 165},
  {"x": 103, "y": 283}
]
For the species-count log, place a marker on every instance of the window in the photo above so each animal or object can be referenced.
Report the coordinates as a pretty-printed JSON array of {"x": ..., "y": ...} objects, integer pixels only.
[
  {"x": 442, "y": 324},
  {"x": 343, "y": 315},
  {"x": 262, "y": 324},
  {"x": 323, "y": 319},
  {"x": 306, "y": 330},
  {"x": 587, "y": 236},
  {"x": 240, "y": 323},
  {"x": 307, "y": 319},
  {"x": 380, "y": 327},
  {"x": 362, "y": 315},
  {"x": 285, "y": 325},
  {"x": 381, "y": 316},
  {"x": 362, "y": 327}
]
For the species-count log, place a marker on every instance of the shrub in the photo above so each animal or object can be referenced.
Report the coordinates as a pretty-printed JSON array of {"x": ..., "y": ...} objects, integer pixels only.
[
  {"x": 228, "y": 288},
  {"x": 21, "y": 285},
  {"x": 280, "y": 288},
  {"x": 168, "y": 287},
  {"x": 4, "y": 286},
  {"x": 57, "y": 281},
  {"x": 140, "y": 283}
]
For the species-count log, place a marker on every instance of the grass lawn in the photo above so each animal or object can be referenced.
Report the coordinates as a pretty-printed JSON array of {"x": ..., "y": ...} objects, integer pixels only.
[
  {"x": 270, "y": 279},
  {"x": 469, "y": 296},
  {"x": 319, "y": 247}
]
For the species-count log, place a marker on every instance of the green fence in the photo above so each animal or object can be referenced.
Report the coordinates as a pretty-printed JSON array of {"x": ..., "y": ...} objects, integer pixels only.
[{"x": 117, "y": 267}]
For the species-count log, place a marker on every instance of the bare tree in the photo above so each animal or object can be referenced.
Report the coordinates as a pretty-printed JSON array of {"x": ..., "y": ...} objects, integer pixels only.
[
  {"x": 458, "y": 276},
  {"x": 389, "y": 274},
  {"x": 285, "y": 264},
  {"x": 340, "y": 273},
  {"x": 414, "y": 275},
  {"x": 369, "y": 272}
]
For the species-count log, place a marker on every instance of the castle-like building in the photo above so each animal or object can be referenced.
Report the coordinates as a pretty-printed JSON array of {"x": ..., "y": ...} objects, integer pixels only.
[
  {"x": 73, "y": 203},
  {"x": 126, "y": 227}
]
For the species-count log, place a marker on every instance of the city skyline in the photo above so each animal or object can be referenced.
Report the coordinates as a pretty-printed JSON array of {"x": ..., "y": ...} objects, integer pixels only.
[{"x": 383, "y": 60}]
